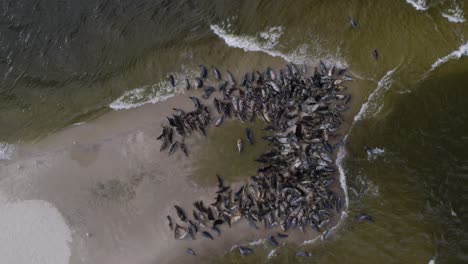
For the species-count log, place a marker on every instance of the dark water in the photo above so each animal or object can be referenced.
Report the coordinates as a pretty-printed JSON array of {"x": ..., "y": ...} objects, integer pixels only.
[{"x": 66, "y": 62}]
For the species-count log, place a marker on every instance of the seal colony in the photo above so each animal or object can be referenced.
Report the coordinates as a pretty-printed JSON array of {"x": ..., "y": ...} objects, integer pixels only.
[{"x": 292, "y": 188}]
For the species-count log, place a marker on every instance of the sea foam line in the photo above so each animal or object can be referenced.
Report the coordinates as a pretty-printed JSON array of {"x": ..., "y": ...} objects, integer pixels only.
[
  {"x": 454, "y": 14},
  {"x": 371, "y": 107},
  {"x": 272, "y": 253},
  {"x": 248, "y": 43},
  {"x": 344, "y": 214},
  {"x": 457, "y": 54},
  {"x": 139, "y": 97},
  {"x": 151, "y": 94},
  {"x": 384, "y": 82},
  {"x": 420, "y": 5},
  {"x": 6, "y": 151},
  {"x": 267, "y": 42},
  {"x": 374, "y": 153}
]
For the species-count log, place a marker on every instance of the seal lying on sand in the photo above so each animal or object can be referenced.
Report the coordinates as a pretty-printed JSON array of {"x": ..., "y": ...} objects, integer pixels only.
[{"x": 291, "y": 189}]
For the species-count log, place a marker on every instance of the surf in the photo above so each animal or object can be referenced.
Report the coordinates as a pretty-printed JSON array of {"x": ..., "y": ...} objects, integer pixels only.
[
  {"x": 268, "y": 41},
  {"x": 372, "y": 106},
  {"x": 455, "y": 55}
]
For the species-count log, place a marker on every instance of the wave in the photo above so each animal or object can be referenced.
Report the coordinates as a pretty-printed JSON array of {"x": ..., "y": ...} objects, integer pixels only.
[
  {"x": 457, "y": 54},
  {"x": 339, "y": 163},
  {"x": 267, "y": 41},
  {"x": 151, "y": 94},
  {"x": 372, "y": 107},
  {"x": 138, "y": 97},
  {"x": 248, "y": 43},
  {"x": 272, "y": 253},
  {"x": 344, "y": 214},
  {"x": 384, "y": 83},
  {"x": 6, "y": 151},
  {"x": 420, "y": 5},
  {"x": 454, "y": 14},
  {"x": 308, "y": 242},
  {"x": 257, "y": 242},
  {"x": 374, "y": 153}
]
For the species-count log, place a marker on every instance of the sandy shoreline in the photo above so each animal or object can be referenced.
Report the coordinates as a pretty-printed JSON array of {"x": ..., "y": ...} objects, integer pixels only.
[
  {"x": 114, "y": 188},
  {"x": 108, "y": 178}
]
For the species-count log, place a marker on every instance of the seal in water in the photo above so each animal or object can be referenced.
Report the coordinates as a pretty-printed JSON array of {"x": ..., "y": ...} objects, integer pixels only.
[
  {"x": 171, "y": 80},
  {"x": 353, "y": 22},
  {"x": 375, "y": 54}
]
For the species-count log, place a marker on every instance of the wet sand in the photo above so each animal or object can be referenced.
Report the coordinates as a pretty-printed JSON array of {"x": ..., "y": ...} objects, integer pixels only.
[{"x": 114, "y": 187}]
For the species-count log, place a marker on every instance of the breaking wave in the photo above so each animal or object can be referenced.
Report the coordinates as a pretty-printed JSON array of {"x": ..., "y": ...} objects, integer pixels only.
[
  {"x": 420, "y": 5},
  {"x": 267, "y": 42},
  {"x": 374, "y": 153},
  {"x": 140, "y": 96},
  {"x": 257, "y": 242},
  {"x": 372, "y": 106},
  {"x": 150, "y": 94},
  {"x": 6, "y": 151},
  {"x": 339, "y": 163},
  {"x": 457, "y": 54},
  {"x": 272, "y": 253},
  {"x": 454, "y": 14},
  {"x": 342, "y": 155}
]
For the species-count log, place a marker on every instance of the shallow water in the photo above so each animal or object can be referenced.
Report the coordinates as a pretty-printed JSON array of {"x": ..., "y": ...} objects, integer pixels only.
[
  {"x": 67, "y": 63},
  {"x": 218, "y": 153}
]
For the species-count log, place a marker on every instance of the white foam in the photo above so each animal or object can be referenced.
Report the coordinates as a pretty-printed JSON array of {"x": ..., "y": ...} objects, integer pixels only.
[
  {"x": 271, "y": 36},
  {"x": 33, "y": 232},
  {"x": 457, "y": 54},
  {"x": 78, "y": 124},
  {"x": 272, "y": 253},
  {"x": 267, "y": 41},
  {"x": 6, "y": 151},
  {"x": 339, "y": 163},
  {"x": 374, "y": 153},
  {"x": 249, "y": 43},
  {"x": 344, "y": 214},
  {"x": 452, "y": 212},
  {"x": 151, "y": 94},
  {"x": 372, "y": 107},
  {"x": 366, "y": 186},
  {"x": 307, "y": 242},
  {"x": 432, "y": 261},
  {"x": 138, "y": 97},
  {"x": 420, "y": 5},
  {"x": 233, "y": 247},
  {"x": 454, "y": 14},
  {"x": 257, "y": 242}
]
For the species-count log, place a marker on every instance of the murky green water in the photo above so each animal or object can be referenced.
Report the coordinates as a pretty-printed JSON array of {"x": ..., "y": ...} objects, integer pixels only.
[{"x": 66, "y": 62}]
